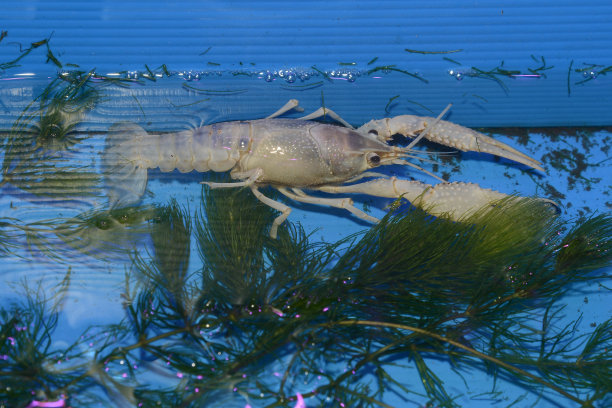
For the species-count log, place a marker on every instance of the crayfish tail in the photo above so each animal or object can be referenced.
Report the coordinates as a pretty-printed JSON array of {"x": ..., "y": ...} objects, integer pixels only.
[{"x": 125, "y": 177}]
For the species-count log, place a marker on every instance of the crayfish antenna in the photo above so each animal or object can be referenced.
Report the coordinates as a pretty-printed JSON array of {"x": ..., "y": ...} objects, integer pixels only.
[{"x": 428, "y": 128}]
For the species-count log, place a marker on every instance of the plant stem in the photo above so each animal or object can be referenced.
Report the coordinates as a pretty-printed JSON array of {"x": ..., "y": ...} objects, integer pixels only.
[{"x": 468, "y": 349}]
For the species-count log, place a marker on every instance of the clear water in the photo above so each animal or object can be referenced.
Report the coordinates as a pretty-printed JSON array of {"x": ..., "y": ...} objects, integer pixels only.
[{"x": 62, "y": 249}]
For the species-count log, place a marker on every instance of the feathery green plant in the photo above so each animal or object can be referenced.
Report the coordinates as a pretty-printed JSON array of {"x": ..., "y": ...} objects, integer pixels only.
[
  {"x": 35, "y": 157},
  {"x": 267, "y": 320},
  {"x": 100, "y": 233}
]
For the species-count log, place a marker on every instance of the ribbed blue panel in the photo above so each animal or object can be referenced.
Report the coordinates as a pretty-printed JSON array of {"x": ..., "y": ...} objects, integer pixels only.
[
  {"x": 261, "y": 36},
  {"x": 109, "y": 34}
]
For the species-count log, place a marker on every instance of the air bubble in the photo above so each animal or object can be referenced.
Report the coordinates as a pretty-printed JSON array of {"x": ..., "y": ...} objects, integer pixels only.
[
  {"x": 457, "y": 74},
  {"x": 290, "y": 77},
  {"x": 243, "y": 144}
]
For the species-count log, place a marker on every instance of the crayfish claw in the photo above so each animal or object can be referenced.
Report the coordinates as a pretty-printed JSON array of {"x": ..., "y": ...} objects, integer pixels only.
[
  {"x": 455, "y": 201},
  {"x": 445, "y": 133},
  {"x": 489, "y": 145}
]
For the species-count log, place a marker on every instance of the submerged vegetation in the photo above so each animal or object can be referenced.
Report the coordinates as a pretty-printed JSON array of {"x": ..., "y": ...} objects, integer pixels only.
[
  {"x": 99, "y": 233},
  {"x": 267, "y": 322},
  {"x": 37, "y": 150}
]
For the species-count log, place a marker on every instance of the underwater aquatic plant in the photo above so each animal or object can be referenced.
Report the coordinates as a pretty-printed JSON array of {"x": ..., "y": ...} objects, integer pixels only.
[
  {"x": 35, "y": 156},
  {"x": 100, "y": 233},
  {"x": 265, "y": 321}
]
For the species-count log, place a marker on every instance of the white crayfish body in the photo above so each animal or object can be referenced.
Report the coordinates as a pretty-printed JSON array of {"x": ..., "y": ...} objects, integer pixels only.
[{"x": 293, "y": 155}]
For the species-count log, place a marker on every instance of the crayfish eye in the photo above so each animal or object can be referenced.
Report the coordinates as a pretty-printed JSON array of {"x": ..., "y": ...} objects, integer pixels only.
[{"x": 373, "y": 159}]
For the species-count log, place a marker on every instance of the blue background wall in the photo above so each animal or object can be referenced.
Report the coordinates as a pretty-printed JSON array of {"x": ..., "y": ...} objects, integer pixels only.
[{"x": 266, "y": 36}]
